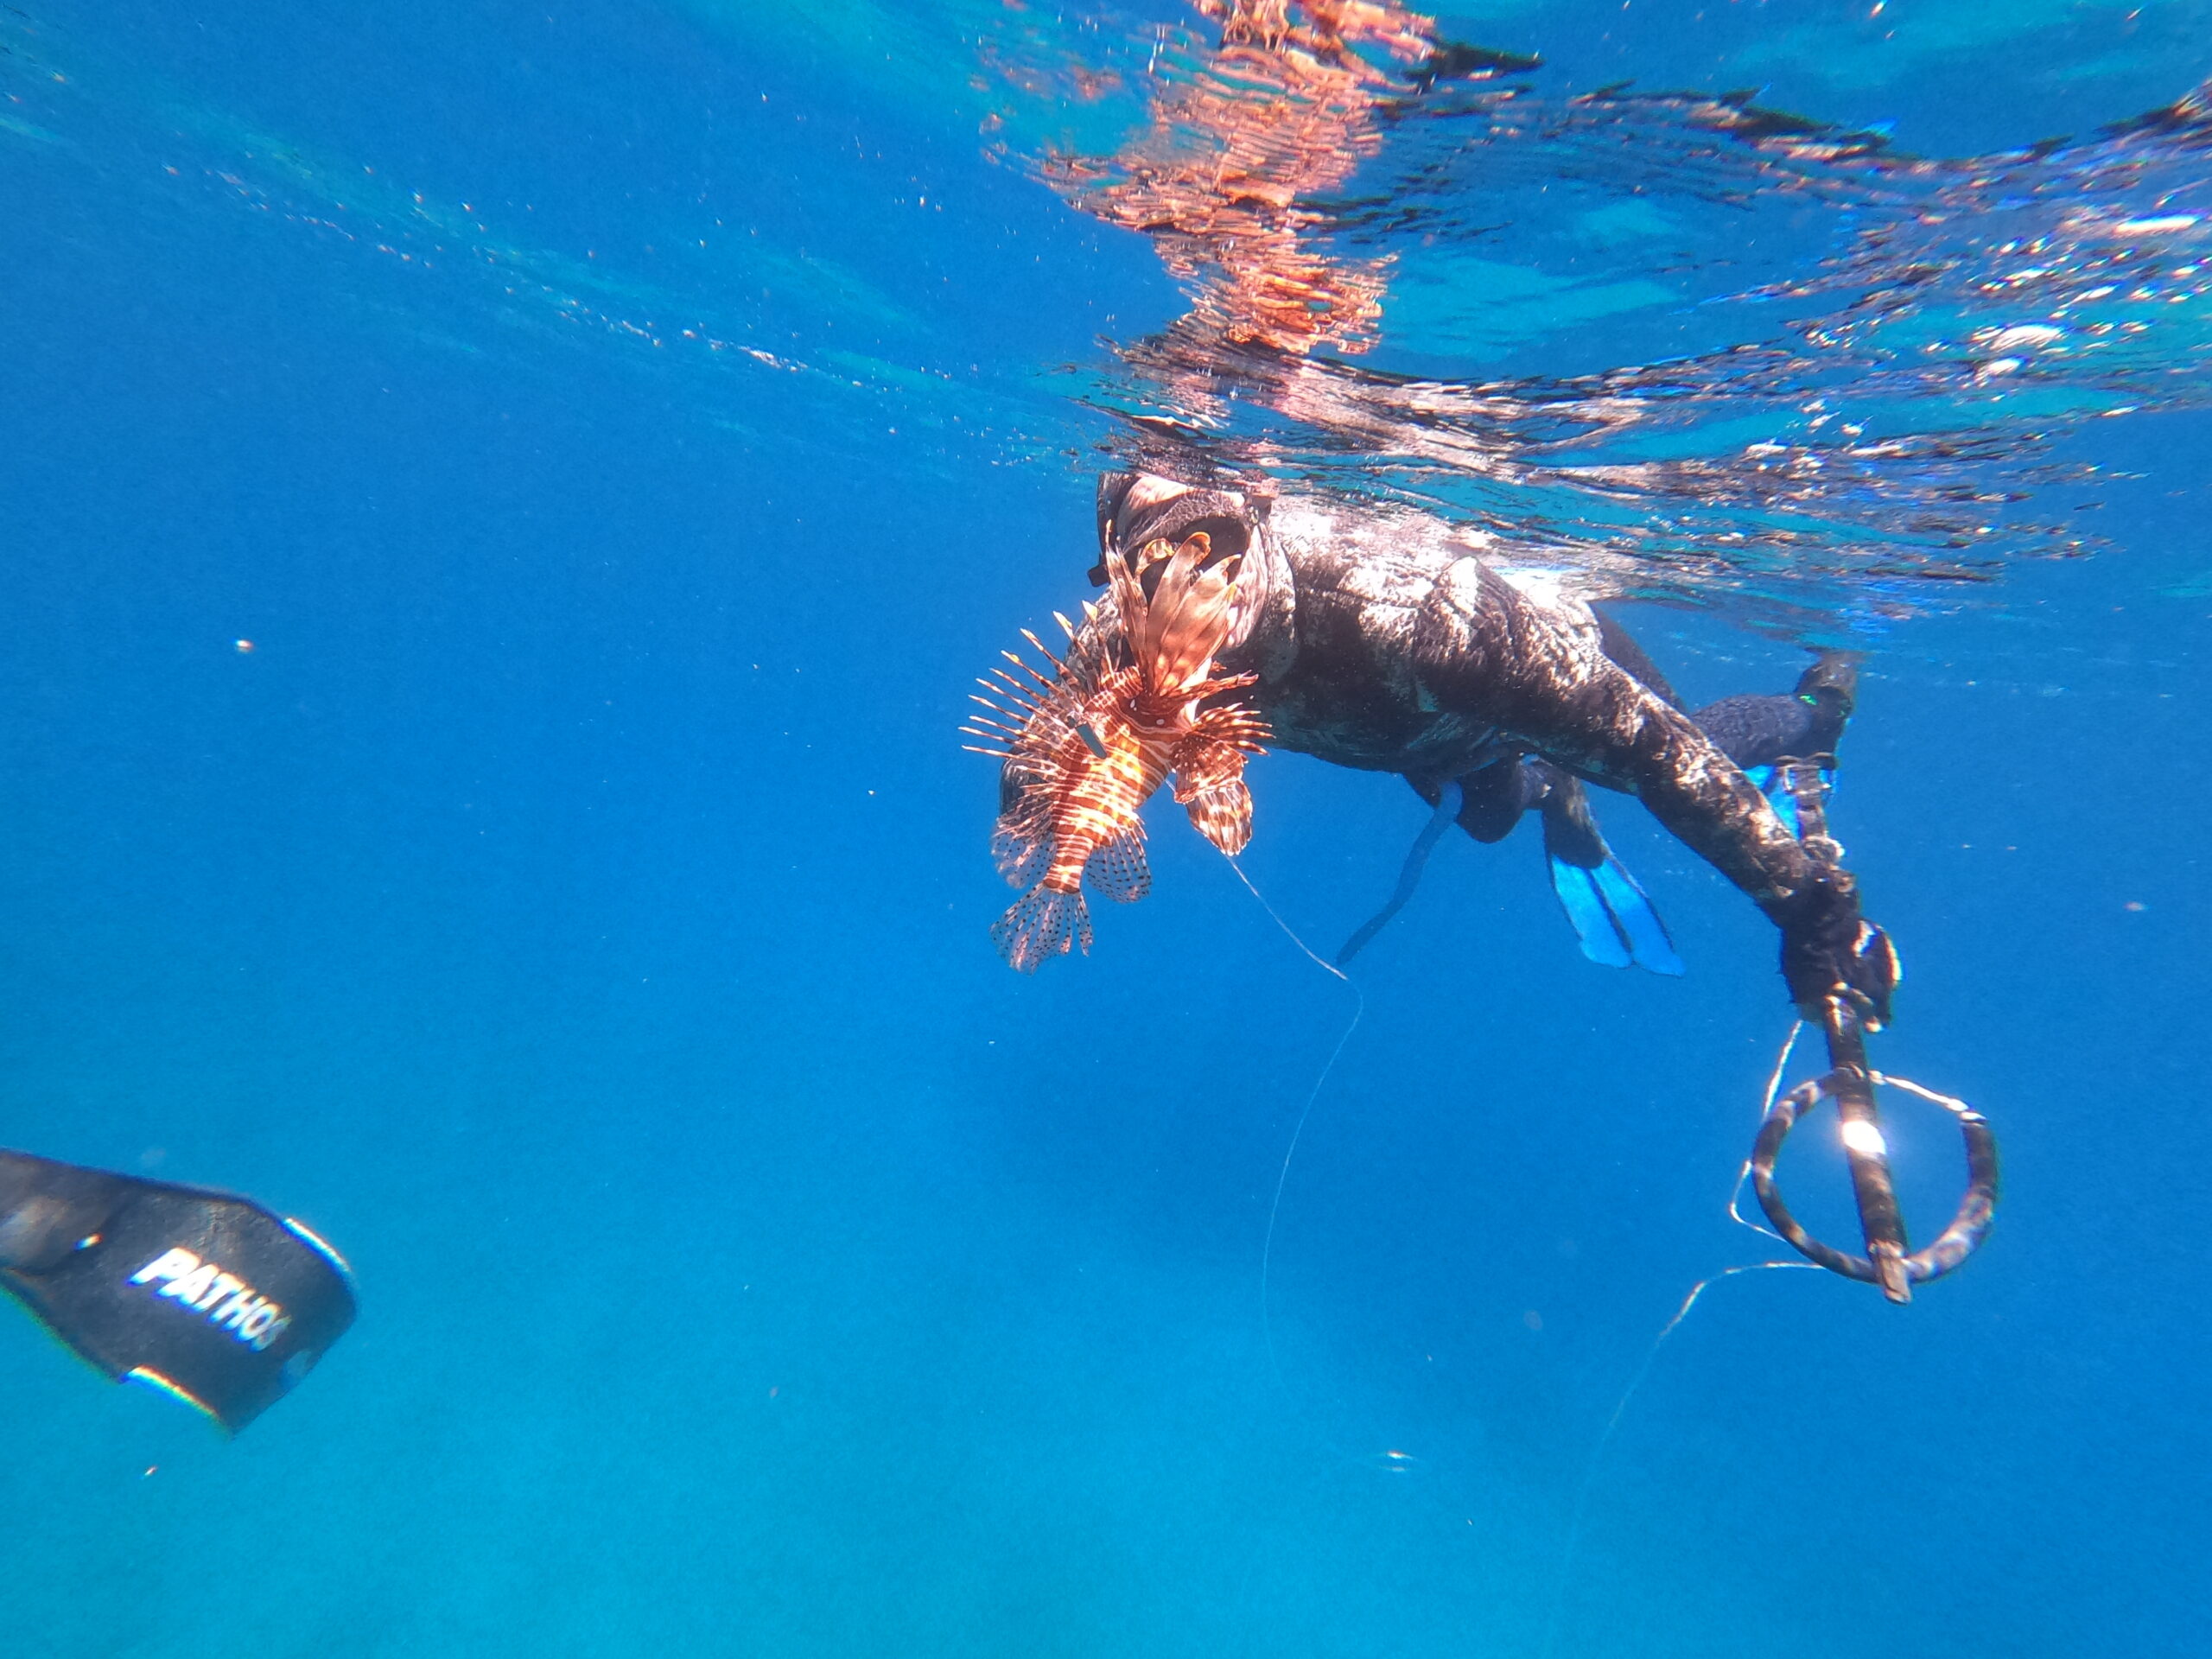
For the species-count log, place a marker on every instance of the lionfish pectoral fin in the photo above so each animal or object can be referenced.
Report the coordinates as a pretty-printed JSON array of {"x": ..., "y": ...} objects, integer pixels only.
[
  {"x": 1209, "y": 782},
  {"x": 1118, "y": 867},
  {"x": 1176, "y": 627},
  {"x": 1232, "y": 726},
  {"x": 1223, "y": 814},
  {"x": 1040, "y": 924}
]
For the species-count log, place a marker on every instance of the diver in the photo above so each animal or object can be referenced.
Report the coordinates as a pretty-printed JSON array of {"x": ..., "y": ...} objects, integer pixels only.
[{"x": 1383, "y": 638}]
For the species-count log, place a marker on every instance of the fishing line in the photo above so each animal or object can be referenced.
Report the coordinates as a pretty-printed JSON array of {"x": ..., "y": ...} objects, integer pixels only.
[
  {"x": 1282, "y": 1180},
  {"x": 1282, "y": 1175},
  {"x": 1579, "y": 1513}
]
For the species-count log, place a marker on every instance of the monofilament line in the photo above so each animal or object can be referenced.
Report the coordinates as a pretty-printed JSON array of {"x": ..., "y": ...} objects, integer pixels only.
[
  {"x": 1580, "y": 1510},
  {"x": 1282, "y": 1175}
]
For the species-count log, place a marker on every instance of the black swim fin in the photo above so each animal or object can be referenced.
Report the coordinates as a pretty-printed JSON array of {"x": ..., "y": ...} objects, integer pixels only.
[{"x": 205, "y": 1295}]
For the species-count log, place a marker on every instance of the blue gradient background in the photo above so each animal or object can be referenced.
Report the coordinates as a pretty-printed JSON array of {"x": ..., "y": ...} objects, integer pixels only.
[{"x": 575, "y": 907}]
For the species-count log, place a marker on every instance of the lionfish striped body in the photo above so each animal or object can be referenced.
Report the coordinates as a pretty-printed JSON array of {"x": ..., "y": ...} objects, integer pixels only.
[{"x": 1086, "y": 749}]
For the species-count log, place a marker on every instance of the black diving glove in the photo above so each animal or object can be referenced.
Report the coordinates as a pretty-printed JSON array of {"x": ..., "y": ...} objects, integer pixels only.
[{"x": 1826, "y": 946}]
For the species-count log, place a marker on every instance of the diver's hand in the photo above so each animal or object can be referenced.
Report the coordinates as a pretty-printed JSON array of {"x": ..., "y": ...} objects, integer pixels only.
[{"x": 1828, "y": 949}]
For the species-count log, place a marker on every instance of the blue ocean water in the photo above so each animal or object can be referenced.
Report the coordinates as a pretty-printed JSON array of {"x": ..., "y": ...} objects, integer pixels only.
[{"x": 620, "y": 434}]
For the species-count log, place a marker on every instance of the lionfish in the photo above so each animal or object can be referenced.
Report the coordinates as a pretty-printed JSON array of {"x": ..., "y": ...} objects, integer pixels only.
[{"x": 1085, "y": 749}]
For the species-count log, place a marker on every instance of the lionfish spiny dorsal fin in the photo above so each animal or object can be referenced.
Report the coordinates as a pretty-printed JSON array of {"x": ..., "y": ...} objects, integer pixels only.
[
  {"x": 1025, "y": 668},
  {"x": 1041, "y": 646}
]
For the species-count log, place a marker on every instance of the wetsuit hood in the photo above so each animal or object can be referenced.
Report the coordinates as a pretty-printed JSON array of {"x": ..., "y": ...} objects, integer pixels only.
[{"x": 1136, "y": 508}]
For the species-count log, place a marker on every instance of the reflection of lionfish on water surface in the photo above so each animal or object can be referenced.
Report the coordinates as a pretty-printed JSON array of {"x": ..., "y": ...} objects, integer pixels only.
[
  {"x": 1285, "y": 107},
  {"x": 1135, "y": 700},
  {"x": 1838, "y": 386}
]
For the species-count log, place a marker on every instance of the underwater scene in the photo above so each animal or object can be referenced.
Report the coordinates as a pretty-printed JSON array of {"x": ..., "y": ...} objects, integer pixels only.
[{"x": 1560, "y": 590}]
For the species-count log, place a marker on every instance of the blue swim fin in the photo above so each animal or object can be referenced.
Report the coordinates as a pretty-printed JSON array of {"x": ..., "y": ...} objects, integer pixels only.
[
  {"x": 1586, "y": 907},
  {"x": 1613, "y": 917},
  {"x": 1649, "y": 945}
]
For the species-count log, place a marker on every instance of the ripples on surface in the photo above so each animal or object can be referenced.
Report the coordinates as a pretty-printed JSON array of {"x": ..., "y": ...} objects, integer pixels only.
[
  {"x": 1843, "y": 377},
  {"x": 1685, "y": 346}
]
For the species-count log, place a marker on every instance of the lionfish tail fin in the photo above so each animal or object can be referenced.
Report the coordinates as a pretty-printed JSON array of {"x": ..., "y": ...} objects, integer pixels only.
[{"x": 1041, "y": 924}]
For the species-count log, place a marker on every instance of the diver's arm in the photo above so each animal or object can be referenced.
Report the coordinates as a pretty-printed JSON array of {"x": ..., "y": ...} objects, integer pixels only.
[{"x": 1541, "y": 675}]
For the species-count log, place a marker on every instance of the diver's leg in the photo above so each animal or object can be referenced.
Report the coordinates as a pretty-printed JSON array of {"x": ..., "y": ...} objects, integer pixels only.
[
  {"x": 1611, "y": 917},
  {"x": 1808, "y": 721},
  {"x": 1757, "y": 732},
  {"x": 1620, "y": 645}
]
